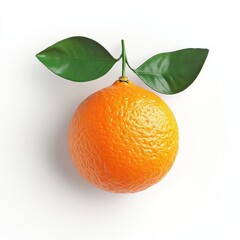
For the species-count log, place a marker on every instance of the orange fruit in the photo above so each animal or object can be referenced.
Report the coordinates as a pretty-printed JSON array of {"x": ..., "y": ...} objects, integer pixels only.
[{"x": 123, "y": 138}]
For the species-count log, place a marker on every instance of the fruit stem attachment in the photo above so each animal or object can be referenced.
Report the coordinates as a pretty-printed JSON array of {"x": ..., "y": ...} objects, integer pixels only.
[{"x": 123, "y": 59}]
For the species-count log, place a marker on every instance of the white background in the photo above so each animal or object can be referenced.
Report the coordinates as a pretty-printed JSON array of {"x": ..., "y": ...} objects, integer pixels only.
[{"x": 42, "y": 195}]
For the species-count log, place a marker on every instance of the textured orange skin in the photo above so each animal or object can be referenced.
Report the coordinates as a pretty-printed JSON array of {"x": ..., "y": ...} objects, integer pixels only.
[{"x": 123, "y": 138}]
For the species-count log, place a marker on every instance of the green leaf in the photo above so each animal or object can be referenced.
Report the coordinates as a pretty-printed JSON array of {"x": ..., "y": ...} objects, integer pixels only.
[
  {"x": 172, "y": 72},
  {"x": 77, "y": 59}
]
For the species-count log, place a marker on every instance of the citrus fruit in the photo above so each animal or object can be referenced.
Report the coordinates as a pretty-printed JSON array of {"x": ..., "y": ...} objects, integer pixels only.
[{"x": 123, "y": 138}]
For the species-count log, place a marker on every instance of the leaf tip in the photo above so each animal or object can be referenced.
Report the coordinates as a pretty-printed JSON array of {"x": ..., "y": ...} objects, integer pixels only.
[{"x": 39, "y": 56}]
